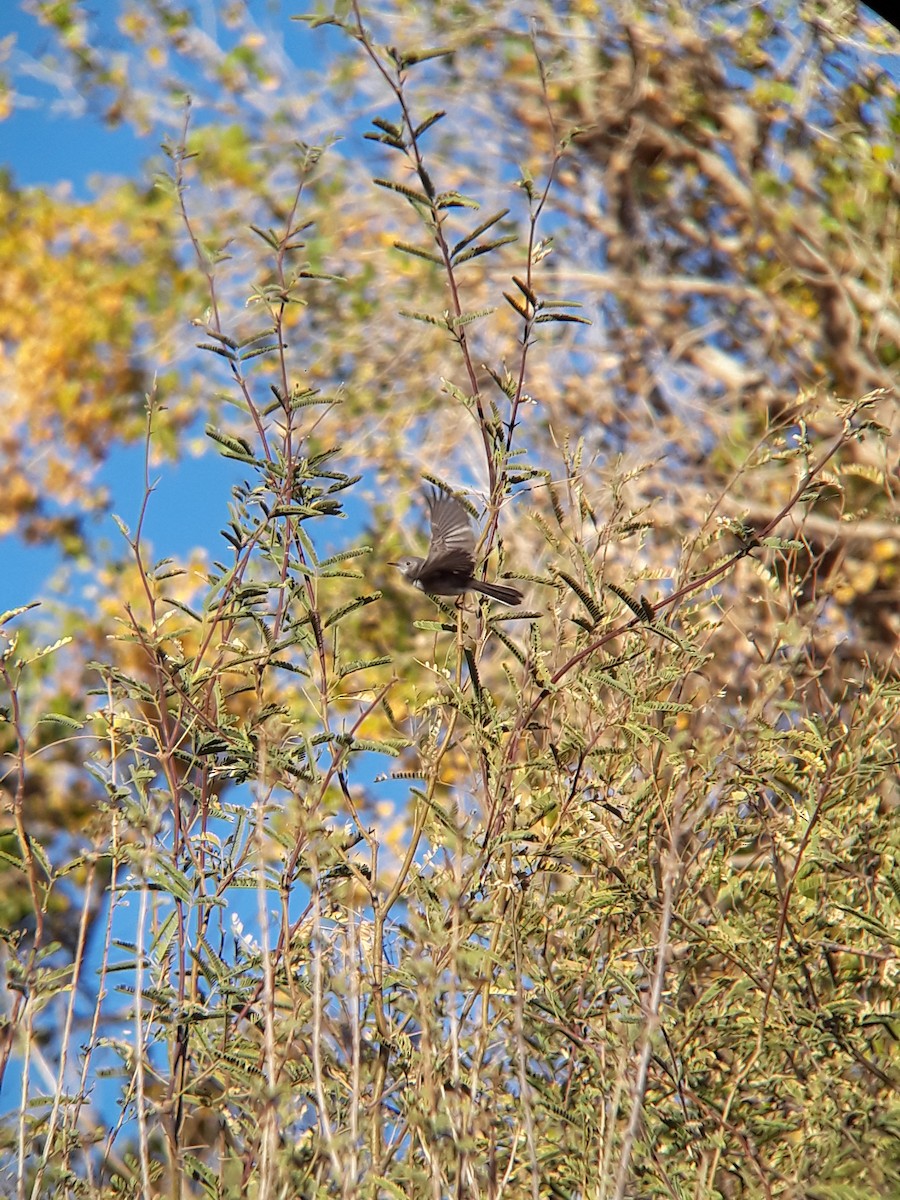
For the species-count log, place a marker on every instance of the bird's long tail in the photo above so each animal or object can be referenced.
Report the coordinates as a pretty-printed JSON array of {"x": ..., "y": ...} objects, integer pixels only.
[{"x": 497, "y": 591}]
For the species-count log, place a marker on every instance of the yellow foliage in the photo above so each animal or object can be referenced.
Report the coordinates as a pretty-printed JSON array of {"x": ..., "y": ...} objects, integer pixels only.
[{"x": 82, "y": 283}]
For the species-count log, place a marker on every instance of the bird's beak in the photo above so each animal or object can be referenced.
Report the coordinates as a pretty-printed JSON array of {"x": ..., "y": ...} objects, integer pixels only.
[{"x": 393, "y": 564}]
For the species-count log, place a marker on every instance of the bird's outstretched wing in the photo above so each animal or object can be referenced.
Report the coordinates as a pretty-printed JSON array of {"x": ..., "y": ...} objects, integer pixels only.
[{"x": 452, "y": 536}]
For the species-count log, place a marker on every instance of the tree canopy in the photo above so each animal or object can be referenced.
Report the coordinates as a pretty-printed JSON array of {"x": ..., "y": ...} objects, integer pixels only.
[{"x": 317, "y": 886}]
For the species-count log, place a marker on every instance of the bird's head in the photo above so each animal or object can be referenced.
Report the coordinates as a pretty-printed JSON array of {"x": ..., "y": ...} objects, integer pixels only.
[{"x": 407, "y": 566}]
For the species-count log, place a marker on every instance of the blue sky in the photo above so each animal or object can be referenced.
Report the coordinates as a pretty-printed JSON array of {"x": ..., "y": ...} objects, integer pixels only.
[
  {"x": 41, "y": 143},
  {"x": 51, "y": 141},
  {"x": 44, "y": 145}
]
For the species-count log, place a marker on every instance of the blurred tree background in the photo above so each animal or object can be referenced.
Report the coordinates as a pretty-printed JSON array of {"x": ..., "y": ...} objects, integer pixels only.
[{"x": 313, "y": 886}]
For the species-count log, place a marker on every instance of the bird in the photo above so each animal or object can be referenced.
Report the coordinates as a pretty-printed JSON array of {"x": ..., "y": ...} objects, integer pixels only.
[{"x": 449, "y": 567}]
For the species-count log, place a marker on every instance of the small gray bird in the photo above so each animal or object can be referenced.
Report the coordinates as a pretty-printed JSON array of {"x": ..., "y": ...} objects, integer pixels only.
[{"x": 449, "y": 568}]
